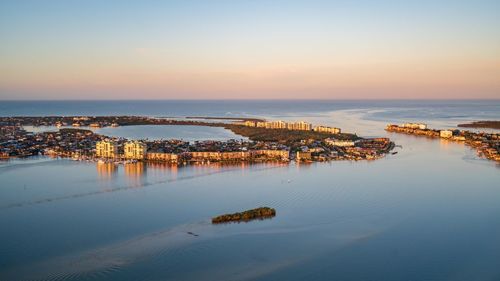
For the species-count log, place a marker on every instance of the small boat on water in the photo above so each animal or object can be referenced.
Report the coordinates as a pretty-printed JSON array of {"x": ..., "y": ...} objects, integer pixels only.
[{"x": 395, "y": 152}]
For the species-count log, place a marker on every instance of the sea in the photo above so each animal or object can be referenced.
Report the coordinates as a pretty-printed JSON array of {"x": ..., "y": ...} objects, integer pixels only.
[{"x": 429, "y": 212}]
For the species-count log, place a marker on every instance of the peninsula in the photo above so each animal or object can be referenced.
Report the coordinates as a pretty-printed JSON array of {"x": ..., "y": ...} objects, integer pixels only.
[
  {"x": 268, "y": 141},
  {"x": 486, "y": 145}
]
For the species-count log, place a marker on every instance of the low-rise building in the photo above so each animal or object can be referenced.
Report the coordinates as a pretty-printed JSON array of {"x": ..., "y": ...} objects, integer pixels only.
[
  {"x": 303, "y": 156},
  {"x": 420, "y": 126},
  {"x": 273, "y": 154},
  {"x": 446, "y": 134},
  {"x": 342, "y": 143},
  {"x": 135, "y": 150},
  {"x": 162, "y": 157}
]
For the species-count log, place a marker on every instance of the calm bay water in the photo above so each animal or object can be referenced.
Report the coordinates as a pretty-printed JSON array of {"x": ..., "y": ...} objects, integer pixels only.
[{"x": 429, "y": 212}]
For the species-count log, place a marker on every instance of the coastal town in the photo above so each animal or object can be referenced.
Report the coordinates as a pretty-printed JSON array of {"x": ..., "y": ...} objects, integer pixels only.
[
  {"x": 267, "y": 141},
  {"x": 486, "y": 144}
]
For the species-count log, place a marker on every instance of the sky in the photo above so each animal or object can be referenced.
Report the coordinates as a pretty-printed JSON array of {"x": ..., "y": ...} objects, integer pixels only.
[{"x": 254, "y": 49}]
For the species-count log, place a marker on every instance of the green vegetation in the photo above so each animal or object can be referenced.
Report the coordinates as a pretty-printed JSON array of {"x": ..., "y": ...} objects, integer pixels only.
[
  {"x": 259, "y": 213},
  {"x": 283, "y": 135}
]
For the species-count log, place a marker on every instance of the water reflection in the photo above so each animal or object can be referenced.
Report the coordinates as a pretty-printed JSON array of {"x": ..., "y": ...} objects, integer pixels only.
[
  {"x": 162, "y": 170},
  {"x": 106, "y": 171},
  {"x": 135, "y": 173}
]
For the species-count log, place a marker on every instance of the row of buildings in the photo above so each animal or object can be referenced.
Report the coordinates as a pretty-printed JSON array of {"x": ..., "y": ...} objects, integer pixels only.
[
  {"x": 486, "y": 144},
  {"x": 137, "y": 150},
  {"x": 299, "y": 126},
  {"x": 421, "y": 129}
]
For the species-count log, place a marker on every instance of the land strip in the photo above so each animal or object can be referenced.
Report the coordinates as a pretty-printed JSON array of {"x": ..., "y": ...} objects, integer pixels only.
[{"x": 481, "y": 124}]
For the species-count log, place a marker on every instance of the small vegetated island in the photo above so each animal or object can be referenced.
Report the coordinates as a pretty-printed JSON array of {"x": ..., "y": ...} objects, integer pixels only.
[
  {"x": 254, "y": 214},
  {"x": 267, "y": 141}
]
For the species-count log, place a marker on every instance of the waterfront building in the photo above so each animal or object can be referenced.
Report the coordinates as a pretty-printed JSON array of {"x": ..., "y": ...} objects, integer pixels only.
[
  {"x": 273, "y": 154},
  {"x": 303, "y": 126},
  {"x": 249, "y": 123},
  {"x": 237, "y": 155},
  {"x": 135, "y": 150},
  {"x": 106, "y": 149},
  {"x": 328, "y": 130},
  {"x": 205, "y": 155},
  {"x": 260, "y": 124},
  {"x": 162, "y": 157},
  {"x": 303, "y": 156},
  {"x": 446, "y": 134},
  {"x": 342, "y": 143},
  {"x": 420, "y": 126}
]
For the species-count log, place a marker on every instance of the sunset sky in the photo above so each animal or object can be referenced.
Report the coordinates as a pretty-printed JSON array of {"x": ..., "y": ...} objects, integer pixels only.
[{"x": 259, "y": 49}]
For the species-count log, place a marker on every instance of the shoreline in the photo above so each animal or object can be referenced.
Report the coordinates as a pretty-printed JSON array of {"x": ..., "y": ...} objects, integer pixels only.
[
  {"x": 303, "y": 144},
  {"x": 487, "y": 145}
]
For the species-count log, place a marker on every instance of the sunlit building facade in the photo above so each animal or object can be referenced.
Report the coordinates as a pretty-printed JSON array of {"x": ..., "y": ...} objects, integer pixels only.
[
  {"x": 106, "y": 149},
  {"x": 328, "y": 130},
  {"x": 135, "y": 150}
]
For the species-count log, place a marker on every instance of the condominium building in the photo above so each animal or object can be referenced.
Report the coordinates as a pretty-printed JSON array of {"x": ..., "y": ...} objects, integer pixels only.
[
  {"x": 328, "y": 130},
  {"x": 135, "y": 150},
  {"x": 279, "y": 125},
  {"x": 106, "y": 149},
  {"x": 249, "y": 123},
  {"x": 300, "y": 126}
]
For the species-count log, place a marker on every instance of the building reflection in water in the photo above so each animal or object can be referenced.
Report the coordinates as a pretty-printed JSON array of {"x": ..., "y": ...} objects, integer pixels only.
[
  {"x": 140, "y": 173},
  {"x": 135, "y": 173},
  {"x": 160, "y": 170},
  {"x": 106, "y": 171}
]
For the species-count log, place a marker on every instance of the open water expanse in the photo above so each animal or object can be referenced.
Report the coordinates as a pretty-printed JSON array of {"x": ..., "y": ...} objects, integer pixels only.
[{"x": 430, "y": 212}]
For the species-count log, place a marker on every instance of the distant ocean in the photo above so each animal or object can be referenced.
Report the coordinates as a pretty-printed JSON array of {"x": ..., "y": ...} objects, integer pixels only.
[{"x": 380, "y": 110}]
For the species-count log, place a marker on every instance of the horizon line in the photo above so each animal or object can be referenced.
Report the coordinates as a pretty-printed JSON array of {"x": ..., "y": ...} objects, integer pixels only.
[{"x": 271, "y": 99}]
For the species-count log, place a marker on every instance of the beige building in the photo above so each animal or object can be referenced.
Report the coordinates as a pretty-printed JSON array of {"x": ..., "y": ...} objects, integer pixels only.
[
  {"x": 106, "y": 149},
  {"x": 269, "y": 153},
  {"x": 135, "y": 150},
  {"x": 343, "y": 143},
  {"x": 300, "y": 126},
  {"x": 162, "y": 157},
  {"x": 415, "y": 126},
  {"x": 280, "y": 125},
  {"x": 328, "y": 130},
  {"x": 249, "y": 123},
  {"x": 205, "y": 155},
  {"x": 303, "y": 156},
  {"x": 446, "y": 134}
]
